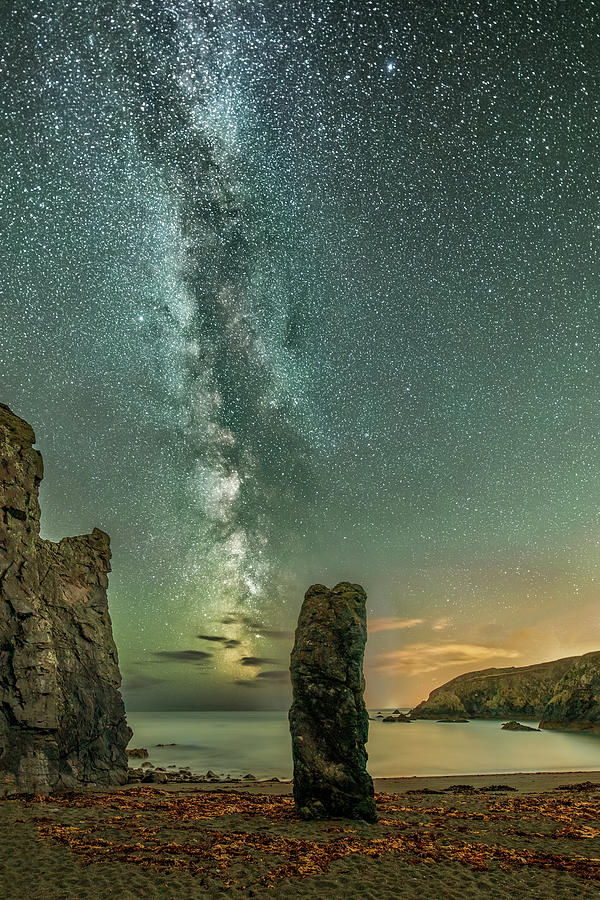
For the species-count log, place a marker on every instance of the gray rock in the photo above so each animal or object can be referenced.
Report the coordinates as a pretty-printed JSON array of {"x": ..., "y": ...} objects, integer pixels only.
[
  {"x": 62, "y": 719},
  {"x": 329, "y": 723}
]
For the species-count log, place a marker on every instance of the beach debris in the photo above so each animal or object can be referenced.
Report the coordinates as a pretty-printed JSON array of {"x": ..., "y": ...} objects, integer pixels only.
[
  {"x": 137, "y": 753},
  {"x": 579, "y": 786},
  {"x": 175, "y": 832},
  {"x": 517, "y": 726},
  {"x": 329, "y": 722},
  {"x": 498, "y": 787}
]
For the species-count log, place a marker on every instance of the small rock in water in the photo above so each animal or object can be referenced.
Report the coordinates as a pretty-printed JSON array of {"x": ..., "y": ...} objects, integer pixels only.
[
  {"x": 516, "y": 726},
  {"x": 211, "y": 774},
  {"x": 447, "y": 721},
  {"x": 137, "y": 753},
  {"x": 249, "y": 777},
  {"x": 173, "y": 744},
  {"x": 147, "y": 765}
]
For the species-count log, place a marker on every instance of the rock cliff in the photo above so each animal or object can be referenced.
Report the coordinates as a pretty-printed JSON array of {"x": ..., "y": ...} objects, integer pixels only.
[
  {"x": 62, "y": 719},
  {"x": 575, "y": 702},
  {"x": 510, "y": 693},
  {"x": 328, "y": 718}
]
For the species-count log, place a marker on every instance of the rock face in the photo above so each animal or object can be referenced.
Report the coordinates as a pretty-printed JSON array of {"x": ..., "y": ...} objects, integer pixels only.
[
  {"x": 575, "y": 703},
  {"x": 328, "y": 718},
  {"x": 510, "y": 693},
  {"x": 564, "y": 694},
  {"x": 62, "y": 719}
]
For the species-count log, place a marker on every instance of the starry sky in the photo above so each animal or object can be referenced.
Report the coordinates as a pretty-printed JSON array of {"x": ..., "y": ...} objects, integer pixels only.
[{"x": 300, "y": 292}]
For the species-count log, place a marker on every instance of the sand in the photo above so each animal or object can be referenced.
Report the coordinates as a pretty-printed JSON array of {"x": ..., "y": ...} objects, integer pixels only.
[{"x": 192, "y": 841}]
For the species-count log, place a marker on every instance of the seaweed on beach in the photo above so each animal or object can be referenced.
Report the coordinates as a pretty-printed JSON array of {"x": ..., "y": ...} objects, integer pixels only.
[{"x": 167, "y": 831}]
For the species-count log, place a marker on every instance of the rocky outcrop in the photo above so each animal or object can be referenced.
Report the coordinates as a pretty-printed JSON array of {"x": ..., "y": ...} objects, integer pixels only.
[
  {"x": 516, "y": 726},
  {"x": 328, "y": 718},
  {"x": 510, "y": 693},
  {"x": 62, "y": 719},
  {"x": 575, "y": 702}
]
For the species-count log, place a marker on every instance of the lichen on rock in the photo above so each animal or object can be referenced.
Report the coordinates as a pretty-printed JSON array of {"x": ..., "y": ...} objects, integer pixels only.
[
  {"x": 328, "y": 719},
  {"x": 62, "y": 718}
]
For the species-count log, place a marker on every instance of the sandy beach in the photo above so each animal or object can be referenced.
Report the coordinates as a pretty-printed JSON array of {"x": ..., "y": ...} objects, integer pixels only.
[{"x": 437, "y": 837}]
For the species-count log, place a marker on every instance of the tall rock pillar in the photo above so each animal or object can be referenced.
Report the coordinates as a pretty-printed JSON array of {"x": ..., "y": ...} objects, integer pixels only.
[
  {"x": 62, "y": 719},
  {"x": 329, "y": 723}
]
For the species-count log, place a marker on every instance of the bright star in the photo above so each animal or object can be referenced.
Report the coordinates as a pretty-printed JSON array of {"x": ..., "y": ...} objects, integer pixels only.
[{"x": 391, "y": 66}]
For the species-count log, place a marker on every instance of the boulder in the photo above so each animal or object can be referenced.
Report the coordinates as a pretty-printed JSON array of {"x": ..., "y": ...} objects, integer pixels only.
[
  {"x": 137, "y": 753},
  {"x": 62, "y": 719},
  {"x": 329, "y": 723}
]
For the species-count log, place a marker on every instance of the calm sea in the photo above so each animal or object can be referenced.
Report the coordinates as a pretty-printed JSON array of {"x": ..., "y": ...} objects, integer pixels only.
[{"x": 236, "y": 743}]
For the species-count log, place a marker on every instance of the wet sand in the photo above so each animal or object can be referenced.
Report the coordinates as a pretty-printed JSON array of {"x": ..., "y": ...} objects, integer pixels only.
[{"x": 216, "y": 840}]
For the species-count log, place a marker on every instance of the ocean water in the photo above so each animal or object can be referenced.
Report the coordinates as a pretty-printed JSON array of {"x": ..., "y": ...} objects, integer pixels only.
[{"x": 236, "y": 743}]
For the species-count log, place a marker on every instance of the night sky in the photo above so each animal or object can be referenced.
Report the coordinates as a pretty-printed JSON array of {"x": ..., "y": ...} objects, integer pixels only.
[{"x": 309, "y": 291}]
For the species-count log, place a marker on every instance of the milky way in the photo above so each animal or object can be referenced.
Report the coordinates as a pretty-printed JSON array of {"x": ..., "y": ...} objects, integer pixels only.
[{"x": 296, "y": 292}]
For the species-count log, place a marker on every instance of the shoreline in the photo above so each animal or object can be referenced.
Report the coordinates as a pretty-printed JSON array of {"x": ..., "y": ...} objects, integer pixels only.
[{"x": 521, "y": 782}]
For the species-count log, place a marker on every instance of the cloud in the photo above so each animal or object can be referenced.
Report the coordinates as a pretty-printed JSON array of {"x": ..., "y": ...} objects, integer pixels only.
[
  {"x": 258, "y": 627},
  {"x": 258, "y": 661},
  {"x": 415, "y": 659},
  {"x": 264, "y": 679},
  {"x": 228, "y": 643},
  {"x": 183, "y": 655},
  {"x": 140, "y": 682},
  {"x": 277, "y": 675},
  {"x": 391, "y": 623}
]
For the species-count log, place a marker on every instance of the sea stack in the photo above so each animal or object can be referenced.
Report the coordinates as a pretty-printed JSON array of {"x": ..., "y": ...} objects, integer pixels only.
[
  {"x": 328, "y": 718},
  {"x": 62, "y": 719}
]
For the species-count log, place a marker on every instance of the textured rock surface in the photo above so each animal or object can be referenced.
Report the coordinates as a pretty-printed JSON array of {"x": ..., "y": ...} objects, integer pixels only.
[
  {"x": 62, "y": 719},
  {"x": 564, "y": 694},
  {"x": 328, "y": 718},
  {"x": 575, "y": 703}
]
